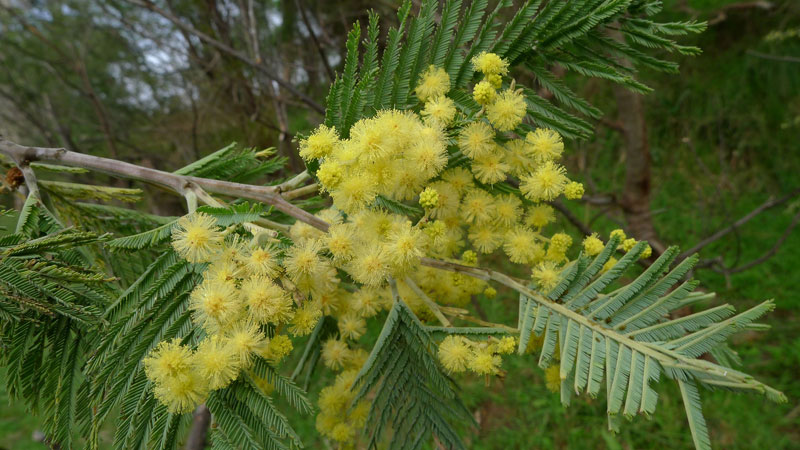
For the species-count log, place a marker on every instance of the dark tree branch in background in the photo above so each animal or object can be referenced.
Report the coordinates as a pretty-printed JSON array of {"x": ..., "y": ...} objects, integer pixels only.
[
  {"x": 232, "y": 52},
  {"x": 771, "y": 252},
  {"x": 317, "y": 44},
  {"x": 201, "y": 419},
  {"x": 771, "y": 203},
  {"x": 572, "y": 218}
]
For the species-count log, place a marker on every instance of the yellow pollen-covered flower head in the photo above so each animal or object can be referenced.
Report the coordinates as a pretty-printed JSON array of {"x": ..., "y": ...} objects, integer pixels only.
[
  {"x": 335, "y": 353},
  {"x": 540, "y": 215},
  {"x": 428, "y": 198},
  {"x": 507, "y": 110},
  {"x": 476, "y": 139},
  {"x": 484, "y": 93},
  {"x": 319, "y": 144},
  {"x": 266, "y": 301},
  {"x": 433, "y": 83},
  {"x": 484, "y": 362},
  {"x": 573, "y": 190},
  {"x": 278, "y": 348},
  {"x": 216, "y": 362},
  {"x": 404, "y": 247},
  {"x": 546, "y": 183},
  {"x": 216, "y": 305},
  {"x": 246, "y": 340},
  {"x": 181, "y": 393},
  {"x": 490, "y": 63},
  {"x": 352, "y": 327},
  {"x": 439, "y": 111},
  {"x": 306, "y": 318},
  {"x": 544, "y": 144},
  {"x": 592, "y": 245},
  {"x": 547, "y": 275},
  {"x": 262, "y": 261},
  {"x": 168, "y": 360},
  {"x": 196, "y": 237},
  {"x": 455, "y": 354},
  {"x": 330, "y": 174}
]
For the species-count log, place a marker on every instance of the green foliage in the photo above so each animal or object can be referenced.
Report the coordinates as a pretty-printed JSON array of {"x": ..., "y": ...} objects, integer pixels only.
[
  {"x": 413, "y": 396},
  {"x": 623, "y": 336}
]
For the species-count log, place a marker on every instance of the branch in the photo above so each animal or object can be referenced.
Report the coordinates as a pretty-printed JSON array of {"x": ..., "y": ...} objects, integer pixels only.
[
  {"x": 428, "y": 302},
  {"x": 771, "y": 203},
  {"x": 768, "y": 254},
  {"x": 176, "y": 183},
  {"x": 147, "y": 4},
  {"x": 314, "y": 39},
  {"x": 572, "y": 218}
]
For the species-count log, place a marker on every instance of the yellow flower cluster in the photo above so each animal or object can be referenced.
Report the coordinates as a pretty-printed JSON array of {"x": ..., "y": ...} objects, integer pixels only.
[
  {"x": 459, "y": 354},
  {"x": 242, "y": 292}
]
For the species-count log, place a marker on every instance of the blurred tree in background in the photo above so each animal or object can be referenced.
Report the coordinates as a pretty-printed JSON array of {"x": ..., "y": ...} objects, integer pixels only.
[{"x": 166, "y": 82}]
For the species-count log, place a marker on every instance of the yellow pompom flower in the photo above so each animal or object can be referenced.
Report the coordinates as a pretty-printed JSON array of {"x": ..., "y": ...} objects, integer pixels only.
[
  {"x": 454, "y": 354},
  {"x": 592, "y": 245},
  {"x": 647, "y": 252},
  {"x": 495, "y": 79},
  {"x": 506, "y": 345},
  {"x": 303, "y": 260},
  {"x": 330, "y": 174},
  {"x": 540, "y": 215},
  {"x": 469, "y": 258},
  {"x": 278, "y": 348},
  {"x": 168, "y": 360},
  {"x": 485, "y": 238},
  {"x": 507, "y": 110},
  {"x": 544, "y": 144},
  {"x": 490, "y": 63},
  {"x": 507, "y": 210},
  {"x": 477, "y": 207},
  {"x": 458, "y": 178},
  {"x": 335, "y": 353},
  {"x": 546, "y": 183},
  {"x": 266, "y": 301},
  {"x": 216, "y": 362},
  {"x": 560, "y": 242},
  {"x": 366, "y": 302},
  {"x": 552, "y": 376},
  {"x": 427, "y": 157},
  {"x": 573, "y": 190},
  {"x": 440, "y": 111},
  {"x": 305, "y": 319},
  {"x": 618, "y": 233},
  {"x": 490, "y": 168},
  {"x": 341, "y": 241},
  {"x": 196, "y": 238},
  {"x": 246, "y": 340},
  {"x": 404, "y": 247},
  {"x": 352, "y": 327},
  {"x": 429, "y": 198},
  {"x": 433, "y": 83},
  {"x": 476, "y": 139},
  {"x": 521, "y": 246},
  {"x": 355, "y": 192},
  {"x": 490, "y": 292},
  {"x": 319, "y": 144},
  {"x": 484, "y": 362},
  {"x": 628, "y": 244},
  {"x": 216, "y": 305},
  {"x": 262, "y": 261},
  {"x": 484, "y": 93},
  {"x": 181, "y": 393},
  {"x": 547, "y": 275},
  {"x": 370, "y": 266}
]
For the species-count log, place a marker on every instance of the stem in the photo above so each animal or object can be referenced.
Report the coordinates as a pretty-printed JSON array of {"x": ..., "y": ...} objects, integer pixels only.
[{"x": 428, "y": 302}]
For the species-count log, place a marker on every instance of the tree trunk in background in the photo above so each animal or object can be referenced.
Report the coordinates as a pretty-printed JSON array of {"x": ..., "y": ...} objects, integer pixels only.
[
  {"x": 635, "y": 198},
  {"x": 197, "y": 434}
]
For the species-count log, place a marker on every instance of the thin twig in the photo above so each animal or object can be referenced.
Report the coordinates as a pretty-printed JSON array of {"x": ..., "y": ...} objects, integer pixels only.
[
  {"x": 301, "y": 192},
  {"x": 232, "y": 52},
  {"x": 771, "y": 203},
  {"x": 428, "y": 302}
]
